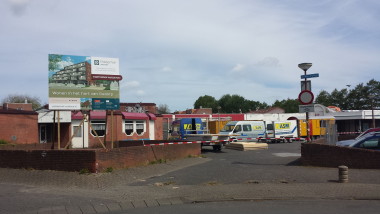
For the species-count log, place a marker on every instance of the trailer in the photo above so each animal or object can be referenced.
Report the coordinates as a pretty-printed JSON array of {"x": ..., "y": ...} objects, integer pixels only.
[{"x": 193, "y": 129}]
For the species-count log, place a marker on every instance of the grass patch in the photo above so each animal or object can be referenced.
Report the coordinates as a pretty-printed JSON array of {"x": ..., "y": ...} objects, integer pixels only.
[
  {"x": 3, "y": 142},
  {"x": 109, "y": 170},
  {"x": 212, "y": 183},
  {"x": 84, "y": 172},
  {"x": 157, "y": 161}
]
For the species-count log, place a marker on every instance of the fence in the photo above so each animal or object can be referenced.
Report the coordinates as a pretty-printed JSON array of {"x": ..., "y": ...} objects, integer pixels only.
[{"x": 330, "y": 134}]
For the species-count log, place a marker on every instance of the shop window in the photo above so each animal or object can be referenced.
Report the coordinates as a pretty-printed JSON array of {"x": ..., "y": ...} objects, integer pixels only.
[
  {"x": 99, "y": 126},
  {"x": 129, "y": 127},
  {"x": 140, "y": 127},
  {"x": 135, "y": 126}
]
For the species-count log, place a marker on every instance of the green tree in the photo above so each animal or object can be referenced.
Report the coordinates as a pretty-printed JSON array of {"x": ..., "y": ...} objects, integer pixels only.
[
  {"x": 339, "y": 98},
  {"x": 289, "y": 105},
  {"x": 362, "y": 96},
  {"x": 206, "y": 101},
  {"x": 324, "y": 98},
  {"x": 15, "y": 98},
  {"x": 163, "y": 109}
]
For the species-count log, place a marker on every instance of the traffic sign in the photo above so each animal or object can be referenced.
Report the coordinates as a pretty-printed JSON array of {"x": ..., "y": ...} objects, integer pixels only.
[
  {"x": 306, "y": 108},
  {"x": 304, "y": 84},
  {"x": 306, "y": 97},
  {"x": 309, "y": 76}
]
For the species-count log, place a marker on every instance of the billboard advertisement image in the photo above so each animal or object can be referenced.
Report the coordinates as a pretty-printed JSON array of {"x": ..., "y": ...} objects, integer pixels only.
[{"x": 83, "y": 82}]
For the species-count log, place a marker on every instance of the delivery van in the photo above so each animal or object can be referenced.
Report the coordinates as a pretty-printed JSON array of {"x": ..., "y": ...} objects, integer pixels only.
[{"x": 244, "y": 130}]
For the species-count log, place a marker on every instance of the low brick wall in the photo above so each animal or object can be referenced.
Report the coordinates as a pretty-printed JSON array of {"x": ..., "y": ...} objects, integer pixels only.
[
  {"x": 95, "y": 160},
  {"x": 63, "y": 160},
  {"x": 315, "y": 154},
  {"x": 143, "y": 155}
]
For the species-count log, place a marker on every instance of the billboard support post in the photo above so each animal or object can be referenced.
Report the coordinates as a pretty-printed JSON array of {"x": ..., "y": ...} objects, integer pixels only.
[
  {"x": 59, "y": 132},
  {"x": 111, "y": 129}
]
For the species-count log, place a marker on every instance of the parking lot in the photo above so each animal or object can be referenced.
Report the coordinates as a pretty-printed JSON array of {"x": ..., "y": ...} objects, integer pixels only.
[{"x": 230, "y": 174}]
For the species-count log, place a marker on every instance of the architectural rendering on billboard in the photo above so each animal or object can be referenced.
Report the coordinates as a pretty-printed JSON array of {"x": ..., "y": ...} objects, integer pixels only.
[{"x": 72, "y": 86}]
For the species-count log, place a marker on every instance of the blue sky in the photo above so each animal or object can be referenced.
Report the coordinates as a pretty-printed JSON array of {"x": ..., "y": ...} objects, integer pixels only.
[{"x": 173, "y": 51}]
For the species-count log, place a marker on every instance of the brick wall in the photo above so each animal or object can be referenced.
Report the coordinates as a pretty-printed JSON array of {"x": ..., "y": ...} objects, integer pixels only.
[
  {"x": 333, "y": 156},
  {"x": 92, "y": 159},
  {"x": 143, "y": 155},
  {"x": 159, "y": 129},
  {"x": 19, "y": 128},
  {"x": 63, "y": 160}
]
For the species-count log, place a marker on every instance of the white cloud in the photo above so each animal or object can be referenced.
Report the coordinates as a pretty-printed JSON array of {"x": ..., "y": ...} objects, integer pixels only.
[
  {"x": 166, "y": 69},
  {"x": 269, "y": 62},
  {"x": 238, "y": 67},
  {"x": 130, "y": 85},
  {"x": 206, "y": 43},
  {"x": 140, "y": 92}
]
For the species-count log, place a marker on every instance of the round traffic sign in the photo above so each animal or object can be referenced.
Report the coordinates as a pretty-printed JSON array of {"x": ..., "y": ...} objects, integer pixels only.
[{"x": 306, "y": 97}]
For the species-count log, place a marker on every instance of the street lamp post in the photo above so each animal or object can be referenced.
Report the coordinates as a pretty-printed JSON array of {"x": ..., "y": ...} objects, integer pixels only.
[{"x": 305, "y": 67}]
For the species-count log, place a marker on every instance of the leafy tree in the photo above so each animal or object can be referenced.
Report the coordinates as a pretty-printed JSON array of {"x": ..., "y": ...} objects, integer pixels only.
[
  {"x": 206, "y": 101},
  {"x": 163, "y": 109},
  {"x": 54, "y": 59},
  {"x": 324, "y": 98},
  {"x": 254, "y": 105},
  {"x": 236, "y": 104},
  {"x": 363, "y": 96},
  {"x": 15, "y": 98},
  {"x": 289, "y": 105},
  {"x": 339, "y": 98}
]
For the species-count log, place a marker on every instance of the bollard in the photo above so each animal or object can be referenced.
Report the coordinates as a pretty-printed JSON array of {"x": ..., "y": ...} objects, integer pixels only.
[{"x": 343, "y": 174}]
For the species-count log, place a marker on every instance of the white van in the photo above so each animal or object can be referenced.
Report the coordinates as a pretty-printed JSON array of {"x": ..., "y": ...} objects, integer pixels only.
[
  {"x": 282, "y": 129},
  {"x": 244, "y": 130}
]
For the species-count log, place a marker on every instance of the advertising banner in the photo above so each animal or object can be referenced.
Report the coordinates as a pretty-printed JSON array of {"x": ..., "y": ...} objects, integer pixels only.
[{"x": 72, "y": 86}]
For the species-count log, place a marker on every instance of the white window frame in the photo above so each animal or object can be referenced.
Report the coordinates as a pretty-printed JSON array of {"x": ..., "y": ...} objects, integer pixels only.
[
  {"x": 135, "y": 124},
  {"x": 140, "y": 122},
  {"x": 128, "y": 122}
]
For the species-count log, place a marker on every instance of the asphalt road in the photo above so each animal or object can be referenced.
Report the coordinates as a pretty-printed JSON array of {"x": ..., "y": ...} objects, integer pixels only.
[
  {"x": 230, "y": 176},
  {"x": 269, "y": 207}
]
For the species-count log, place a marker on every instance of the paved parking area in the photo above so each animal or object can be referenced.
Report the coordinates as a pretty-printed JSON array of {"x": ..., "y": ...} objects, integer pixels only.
[{"x": 227, "y": 175}]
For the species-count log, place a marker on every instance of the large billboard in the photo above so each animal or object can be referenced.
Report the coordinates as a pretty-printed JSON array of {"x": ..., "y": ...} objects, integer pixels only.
[{"x": 83, "y": 83}]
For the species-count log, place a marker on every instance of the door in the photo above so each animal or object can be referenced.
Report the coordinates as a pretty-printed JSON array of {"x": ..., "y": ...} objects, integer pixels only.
[
  {"x": 80, "y": 134},
  {"x": 43, "y": 133}
]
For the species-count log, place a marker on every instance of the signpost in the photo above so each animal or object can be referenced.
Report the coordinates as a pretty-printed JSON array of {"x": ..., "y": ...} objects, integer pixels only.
[
  {"x": 309, "y": 76},
  {"x": 306, "y": 108},
  {"x": 306, "y": 97}
]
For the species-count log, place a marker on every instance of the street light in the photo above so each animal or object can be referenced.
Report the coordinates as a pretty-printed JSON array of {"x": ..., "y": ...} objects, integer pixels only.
[{"x": 305, "y": 67}]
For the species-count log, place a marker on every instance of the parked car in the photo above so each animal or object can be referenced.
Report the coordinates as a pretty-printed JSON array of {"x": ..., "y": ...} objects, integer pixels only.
[
  {"x": 358, "y": 138},
  {"x": 371, "y": 140}
]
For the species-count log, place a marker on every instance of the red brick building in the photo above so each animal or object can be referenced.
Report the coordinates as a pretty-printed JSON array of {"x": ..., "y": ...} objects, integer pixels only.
[{"x": 18, "y": 126}]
